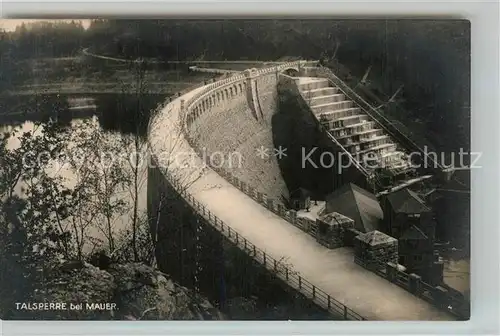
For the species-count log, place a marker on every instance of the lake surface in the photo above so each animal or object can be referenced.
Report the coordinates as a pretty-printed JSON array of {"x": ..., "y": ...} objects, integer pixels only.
[
  {"x": 111, "y": 114},
  {"x": 115, "y": 116}
]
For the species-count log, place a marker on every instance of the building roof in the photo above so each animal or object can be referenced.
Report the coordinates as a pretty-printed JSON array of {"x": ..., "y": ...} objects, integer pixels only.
[
  {"x": 358, "y": 204},
  {"x": 407, "y": 201},
  {"x": 374, "y": 238},
  {"x": 413, "y": 233},
  {"x": 300, "y": 193},
  {"x": 335, "y": 219}
]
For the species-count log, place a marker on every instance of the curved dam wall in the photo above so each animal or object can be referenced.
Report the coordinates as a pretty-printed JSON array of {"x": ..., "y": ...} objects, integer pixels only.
[
  {"x": 234, "y": 122},
  {"x": 201, "y": 220},
  {"x": 188, "y": 246},
  {"x": 255, "y": 111},
  {"x": 198, "y": 257}
]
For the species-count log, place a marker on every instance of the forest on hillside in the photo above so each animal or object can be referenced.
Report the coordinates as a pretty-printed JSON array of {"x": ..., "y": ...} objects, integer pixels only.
[
  {"x": 46, "y": 222},
  {"x": 430, "y": 59}
]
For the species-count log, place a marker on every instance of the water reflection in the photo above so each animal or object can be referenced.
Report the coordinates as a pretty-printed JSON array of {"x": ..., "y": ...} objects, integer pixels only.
[
  {"x": 123, "y": 113},
  {"x": 114, "y": 115}
]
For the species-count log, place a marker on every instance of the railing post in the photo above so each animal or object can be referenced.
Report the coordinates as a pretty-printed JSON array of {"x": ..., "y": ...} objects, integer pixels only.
[
  {"x": 286, "y": 273},
  {"x": 329, "y": 302},
  {"x": 264, "y": 253},
  {"x": 300, "y": 282},
  {"x": 345, "y": 312},
  {"x": 275, "y": 266},
  {"x": 237, "y": 240},
  {"x": 314, "y": 292},
  {"x": 254, "y": 251},
  {"x": 245, "y": 243}
]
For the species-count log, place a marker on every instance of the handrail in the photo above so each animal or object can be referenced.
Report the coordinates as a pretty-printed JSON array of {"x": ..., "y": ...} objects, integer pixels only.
[
  {"x": 448, "y": 302},
  {"x": 235, "y": 77},
  {"x": 371, "y": 111},
  {"x": 293, "y": 279}
]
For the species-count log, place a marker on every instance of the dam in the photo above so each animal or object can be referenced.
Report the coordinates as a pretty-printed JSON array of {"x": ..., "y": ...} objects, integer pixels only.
[{"x": 194, "y": 205}]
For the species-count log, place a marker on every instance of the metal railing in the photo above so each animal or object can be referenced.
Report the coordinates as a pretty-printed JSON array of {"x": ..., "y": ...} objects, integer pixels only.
[
  {"x": 279, "y": 269},
  {"x": 402, "y": 278},
  {"x": 293, "y": 279},
  {"x": 263, "y": 199},
  {"x": 386, "y": 124},
  {"x": 332, "y": 138},
  {"x": 448, "y": 302}
]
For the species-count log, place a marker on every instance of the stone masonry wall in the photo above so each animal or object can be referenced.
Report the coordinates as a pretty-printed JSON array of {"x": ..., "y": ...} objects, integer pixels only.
[{"x": 228, "y": 126}]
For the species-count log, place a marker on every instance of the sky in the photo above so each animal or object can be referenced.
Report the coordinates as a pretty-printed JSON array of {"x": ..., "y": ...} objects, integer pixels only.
[{"x": 11, "y": 24}]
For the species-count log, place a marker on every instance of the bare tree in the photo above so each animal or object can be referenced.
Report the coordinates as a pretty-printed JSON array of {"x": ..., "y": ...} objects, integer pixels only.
[{"x": 172, "y": 160}]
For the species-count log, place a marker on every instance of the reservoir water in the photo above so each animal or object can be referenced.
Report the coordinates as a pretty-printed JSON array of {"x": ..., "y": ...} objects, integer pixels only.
[{"x": 104, "y": 114}]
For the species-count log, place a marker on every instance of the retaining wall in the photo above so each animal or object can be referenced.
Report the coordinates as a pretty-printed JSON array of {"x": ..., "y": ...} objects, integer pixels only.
[{"x": 235, "y": 120}]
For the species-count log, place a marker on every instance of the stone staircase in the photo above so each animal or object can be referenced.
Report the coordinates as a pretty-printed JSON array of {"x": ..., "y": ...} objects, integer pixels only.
[{"x": 361, "y": 136}]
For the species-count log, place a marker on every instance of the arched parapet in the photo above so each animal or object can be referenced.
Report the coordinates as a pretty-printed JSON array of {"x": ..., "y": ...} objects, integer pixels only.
[
  {"x": 292, "y": 72},
  {"x": 251, "y": 73},
  {"x": 295, "y": 68},
  {"x": 168, "y": 128},
  {"x": 231, "y": 87}
]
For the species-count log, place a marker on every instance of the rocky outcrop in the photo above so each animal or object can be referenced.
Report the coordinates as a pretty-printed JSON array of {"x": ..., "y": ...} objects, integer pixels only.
[{"x": 130, "y": 291}]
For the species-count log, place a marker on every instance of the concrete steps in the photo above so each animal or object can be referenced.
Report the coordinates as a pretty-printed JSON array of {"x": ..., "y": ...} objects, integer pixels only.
[
  {"x": 379, "y": 149},
  {"x": 376, "y": 131},
  {"x": 351, "y": 141},
  {"x": 332, "y": 107},
  {"x": 306, "y": 83},
  {"x": 349, "y": 124},
  {"x": 325, "y": 91},
  {"x": 339, "y": 114},
  {"x": 326, "y": 99}
]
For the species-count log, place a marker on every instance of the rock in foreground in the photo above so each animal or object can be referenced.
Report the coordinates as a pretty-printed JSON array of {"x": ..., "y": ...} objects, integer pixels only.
[{"x": 131, "y": 291}]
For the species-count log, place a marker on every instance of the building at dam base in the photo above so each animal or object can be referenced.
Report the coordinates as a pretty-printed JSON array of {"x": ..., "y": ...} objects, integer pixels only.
[{"x": 348, "y": 272}]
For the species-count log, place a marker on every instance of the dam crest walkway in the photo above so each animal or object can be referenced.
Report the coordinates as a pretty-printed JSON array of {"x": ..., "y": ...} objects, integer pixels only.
[{"x": 329, "y": 277}]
